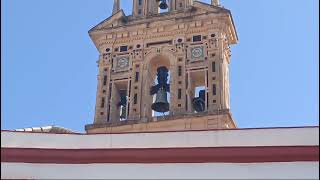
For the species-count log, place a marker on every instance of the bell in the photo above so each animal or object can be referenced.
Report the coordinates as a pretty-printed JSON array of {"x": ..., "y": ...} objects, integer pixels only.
[
  {"x": 123, "y": 104},
  {"x": 199, "y": 102},
  {"x": 163, "y": 4},
  {"x": 161, "y": 104},
  {"x": 123, "y": 112}
]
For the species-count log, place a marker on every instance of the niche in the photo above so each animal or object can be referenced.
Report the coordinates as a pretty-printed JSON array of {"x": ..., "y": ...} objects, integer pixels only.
[{"x": 148, "y": 110}]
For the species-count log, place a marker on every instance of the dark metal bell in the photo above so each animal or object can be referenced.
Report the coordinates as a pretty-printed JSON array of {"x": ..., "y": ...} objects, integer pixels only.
[
  {"x": 123, "y": 113},
  {"x": 123, "y": 104},
  {"x": 199, "y": 102},
  {"x": 161, "y": 104},
  {"x": 163, "y": 4}
]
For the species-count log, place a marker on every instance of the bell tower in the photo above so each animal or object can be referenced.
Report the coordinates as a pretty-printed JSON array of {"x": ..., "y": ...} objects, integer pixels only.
[{"x": 164, "y": 71}]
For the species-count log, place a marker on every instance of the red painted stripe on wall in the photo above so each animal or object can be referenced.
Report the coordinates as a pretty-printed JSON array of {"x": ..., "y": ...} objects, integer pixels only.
[{"x": 162, "y": 155}]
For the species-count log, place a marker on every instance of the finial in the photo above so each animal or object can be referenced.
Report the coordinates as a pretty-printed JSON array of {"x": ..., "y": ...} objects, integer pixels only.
[
  {"x": 116, "y": 6},
  {"x": 215, "y": 2}
]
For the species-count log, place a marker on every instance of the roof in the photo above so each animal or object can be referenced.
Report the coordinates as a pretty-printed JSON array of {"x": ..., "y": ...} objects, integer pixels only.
[{"x": 112, "y": 18}]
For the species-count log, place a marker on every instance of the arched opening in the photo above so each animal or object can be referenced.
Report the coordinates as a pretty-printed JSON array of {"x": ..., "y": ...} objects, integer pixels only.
[
  {"x": 119, "y": 105},
  {"x": 197, "y": 91},
  {"x": 160, "y": 92}
]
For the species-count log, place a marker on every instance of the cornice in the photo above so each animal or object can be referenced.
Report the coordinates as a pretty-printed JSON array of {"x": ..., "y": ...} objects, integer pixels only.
[{"x": 158, "y": 35}]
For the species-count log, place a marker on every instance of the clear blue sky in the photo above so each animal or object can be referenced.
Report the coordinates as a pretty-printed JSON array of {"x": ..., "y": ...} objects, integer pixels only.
[{"x": 49, "y": 70}]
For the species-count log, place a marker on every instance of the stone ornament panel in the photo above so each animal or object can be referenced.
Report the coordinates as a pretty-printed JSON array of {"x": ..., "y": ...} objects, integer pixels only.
[
  {"x": 197, "y": 53},
  {"x": 122, "y": 63}
]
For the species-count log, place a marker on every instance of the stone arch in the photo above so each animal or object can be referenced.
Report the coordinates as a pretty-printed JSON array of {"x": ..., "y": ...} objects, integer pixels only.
[{"x": 152, "y": 61}]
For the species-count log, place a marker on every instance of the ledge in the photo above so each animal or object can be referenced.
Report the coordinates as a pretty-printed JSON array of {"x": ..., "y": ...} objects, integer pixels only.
[{"x": 158, "y": 119}]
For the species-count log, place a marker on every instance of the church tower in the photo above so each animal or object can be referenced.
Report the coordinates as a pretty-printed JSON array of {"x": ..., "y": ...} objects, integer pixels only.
[{"x": 164, "y": 69}]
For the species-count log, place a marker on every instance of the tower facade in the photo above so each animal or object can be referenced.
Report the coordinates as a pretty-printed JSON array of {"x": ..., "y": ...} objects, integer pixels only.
[{"x": 191, "y": 40}]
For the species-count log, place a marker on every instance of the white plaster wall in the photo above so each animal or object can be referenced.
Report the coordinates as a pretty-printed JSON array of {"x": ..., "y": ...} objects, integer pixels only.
[
  {"x": 287, "y": 170},
  {"x": 220, "y": 138}
]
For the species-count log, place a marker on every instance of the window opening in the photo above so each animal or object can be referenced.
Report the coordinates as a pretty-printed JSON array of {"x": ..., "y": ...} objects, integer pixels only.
[
  {"x": 123, "y": 48},
  {"x": 104, "y": 80},
  {"x": 213, "y": 66},
  {"x": 214, "y": 89},
  {"x": 179, "y": 70},
  {"x": 135, "y": 99},
  {"x": 102, "y": 102},
  {"x": 137, "y": 77},
  {"x": 196, "y": 38}
]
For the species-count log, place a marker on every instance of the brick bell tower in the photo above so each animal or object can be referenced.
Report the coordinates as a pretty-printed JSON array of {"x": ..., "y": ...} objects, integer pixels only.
[{"x": 164, "y": 69}]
